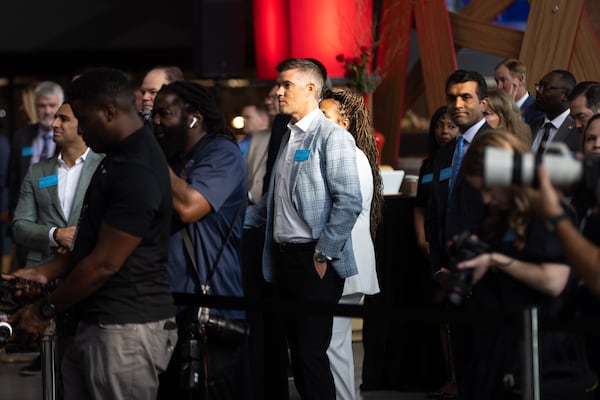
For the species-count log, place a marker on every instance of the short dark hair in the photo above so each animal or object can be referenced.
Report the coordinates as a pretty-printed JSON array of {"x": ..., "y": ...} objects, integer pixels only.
[
  {"x": 306, "y": 66},
  {"x": 462, "y": 76},
  {"x": 591, "y": 91},
  {"x": 580, "y": 89},
  {"x": 566, "y": 78},
  {"x": 102, "y": 86}
]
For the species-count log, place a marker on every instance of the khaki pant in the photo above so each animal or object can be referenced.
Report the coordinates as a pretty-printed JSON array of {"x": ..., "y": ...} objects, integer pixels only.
[{"x": 117, "y": 361}]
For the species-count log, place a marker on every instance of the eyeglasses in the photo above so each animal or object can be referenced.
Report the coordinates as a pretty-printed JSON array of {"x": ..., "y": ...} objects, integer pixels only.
[{"x": 542, "y": 87}]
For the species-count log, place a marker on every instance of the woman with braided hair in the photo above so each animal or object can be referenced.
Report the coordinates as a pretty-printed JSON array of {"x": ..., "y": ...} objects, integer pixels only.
[{"x": 347, "y": 108}]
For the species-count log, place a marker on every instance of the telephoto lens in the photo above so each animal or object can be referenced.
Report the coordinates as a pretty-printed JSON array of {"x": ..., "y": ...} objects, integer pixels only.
[{"x": 502, "y": 168}]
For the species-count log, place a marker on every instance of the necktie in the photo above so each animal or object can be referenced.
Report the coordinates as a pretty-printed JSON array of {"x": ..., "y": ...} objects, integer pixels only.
[
  {"x": 458, "y": 156},
  {"x": 545, "y": 136},
  {"x": 46, "y": 148}
]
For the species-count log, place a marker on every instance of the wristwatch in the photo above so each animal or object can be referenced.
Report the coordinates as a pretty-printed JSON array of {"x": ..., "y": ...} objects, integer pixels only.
[
  {"x": 47, "y": 310},
  {"x": 320, "y": 257},
  {"x": 553, "y": 221}
]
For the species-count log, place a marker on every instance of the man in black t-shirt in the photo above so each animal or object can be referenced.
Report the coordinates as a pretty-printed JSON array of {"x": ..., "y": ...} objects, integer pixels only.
[{"x": 115, "y": 283}]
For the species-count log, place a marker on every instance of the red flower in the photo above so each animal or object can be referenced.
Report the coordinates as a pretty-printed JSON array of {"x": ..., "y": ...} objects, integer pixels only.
[{"x": 357, "y": 70}]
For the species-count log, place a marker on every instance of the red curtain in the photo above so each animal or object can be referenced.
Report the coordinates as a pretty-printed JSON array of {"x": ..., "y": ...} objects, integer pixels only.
[{"x": 318, "y": 29}]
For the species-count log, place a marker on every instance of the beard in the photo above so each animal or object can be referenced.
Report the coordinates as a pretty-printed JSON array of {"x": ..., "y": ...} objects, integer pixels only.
[{"x": 173, "y": 141}]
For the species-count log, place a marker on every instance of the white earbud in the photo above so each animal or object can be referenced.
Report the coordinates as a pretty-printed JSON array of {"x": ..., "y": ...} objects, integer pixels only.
[{"x": 194, "y": 120}]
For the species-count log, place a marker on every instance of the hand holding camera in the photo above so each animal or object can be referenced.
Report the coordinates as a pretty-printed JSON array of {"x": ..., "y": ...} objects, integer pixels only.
[
  {"x": 545, "y": 199},
  {"x": 459, "y": 282}
]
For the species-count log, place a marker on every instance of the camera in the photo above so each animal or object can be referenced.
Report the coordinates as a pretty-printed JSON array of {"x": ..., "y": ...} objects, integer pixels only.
[
  {"x": 503, "y": 168},
  {"x": 195, "y": 340},
  {"x": 223, "y": 329},
  {"x": 464, "y": 246},
  {"x": 193, "y": 349},
  {"x": 5, "y": 333},
  {"x": 10, "y": 302}
]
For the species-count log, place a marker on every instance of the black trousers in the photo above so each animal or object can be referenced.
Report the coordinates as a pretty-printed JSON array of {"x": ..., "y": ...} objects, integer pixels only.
[{"x": 308, "y": 334}]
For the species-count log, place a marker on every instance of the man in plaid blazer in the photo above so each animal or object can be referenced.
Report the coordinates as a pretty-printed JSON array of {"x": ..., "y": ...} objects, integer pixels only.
[{"x": 309, "y": 210}]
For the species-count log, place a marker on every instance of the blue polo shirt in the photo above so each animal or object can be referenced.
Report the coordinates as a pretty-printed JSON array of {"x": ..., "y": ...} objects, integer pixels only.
[{"x": 218, "y": 172}]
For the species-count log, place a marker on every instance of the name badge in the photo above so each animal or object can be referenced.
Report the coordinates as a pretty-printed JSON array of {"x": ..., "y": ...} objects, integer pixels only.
[
  {"x": 47, "y": 181},
  {"x": 446, "y": 173},
  {"x": 427, "y": 178},
  {"x": 26, "y": 151},
  {"x": 301, "y": 155}
]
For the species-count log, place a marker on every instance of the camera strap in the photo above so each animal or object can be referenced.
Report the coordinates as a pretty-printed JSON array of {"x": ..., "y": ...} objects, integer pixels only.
[{"x": 187, "y": 241}]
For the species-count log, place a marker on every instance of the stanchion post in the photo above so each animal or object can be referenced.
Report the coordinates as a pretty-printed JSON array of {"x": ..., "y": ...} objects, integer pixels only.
[
  {"x": 531, "y": 355},
  {"x": 48, "y": 367}
]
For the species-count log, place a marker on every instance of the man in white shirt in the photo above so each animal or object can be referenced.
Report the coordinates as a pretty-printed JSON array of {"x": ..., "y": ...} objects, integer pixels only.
[
  {"x": 310, "y": 208},
  {"x": 51, "y": 196},
  {"x": 511, "y": 77},
  {"x": 584, "y": 102},
  {"x": 29, "y": 145},
  {"x": 552, "y": 96}
]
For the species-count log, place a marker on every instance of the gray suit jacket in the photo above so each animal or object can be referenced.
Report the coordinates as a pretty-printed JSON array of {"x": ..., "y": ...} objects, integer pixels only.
[
  {"x": 325, "y": 191},
  {"x": 39, "y": 209},
  {"x": 567, "y": 133}
]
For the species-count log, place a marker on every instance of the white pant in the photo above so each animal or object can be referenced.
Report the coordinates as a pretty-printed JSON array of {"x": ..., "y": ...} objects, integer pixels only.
[{"x": 341, "y": 359}]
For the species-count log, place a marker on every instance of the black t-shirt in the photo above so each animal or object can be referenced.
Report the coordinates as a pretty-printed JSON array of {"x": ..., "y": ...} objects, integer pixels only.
[{"x": 130, "y": 191}]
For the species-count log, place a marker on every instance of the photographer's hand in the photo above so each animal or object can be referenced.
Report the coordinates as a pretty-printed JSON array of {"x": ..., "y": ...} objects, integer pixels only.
[
  {"x": 545, "y": 199},
  {"x": 479, "y": 265},
  {"x": 29, "y": 323}
]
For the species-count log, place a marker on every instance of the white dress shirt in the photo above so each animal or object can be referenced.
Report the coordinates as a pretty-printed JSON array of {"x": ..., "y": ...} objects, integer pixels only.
[
  {"x": 288, "y": 225},
  {"x": 68, "y": 180},
  {"x": 556, "y": 123}
]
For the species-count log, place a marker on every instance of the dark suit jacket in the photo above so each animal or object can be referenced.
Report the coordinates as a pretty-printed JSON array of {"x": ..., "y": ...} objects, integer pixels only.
[
  {"x": 529, "y": 112},
  {"x": 567, "y": 133},
  {"x": 19, "y": 162},
  {"x": 445, "y": 217},
  {"x": 278, "y": 129}
]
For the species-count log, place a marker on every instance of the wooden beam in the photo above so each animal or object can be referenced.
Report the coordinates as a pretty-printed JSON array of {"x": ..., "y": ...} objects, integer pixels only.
[
  {"x": 585, "y": 64},
  {"x": 388, "y": 100},
  {"x": 483, "y": 10},
  {"x": 549, "y": 39},
  {"x": 438, "y": 57},
  {"x": 485, "y": 37},
  {"x": 486, "y": 10}
]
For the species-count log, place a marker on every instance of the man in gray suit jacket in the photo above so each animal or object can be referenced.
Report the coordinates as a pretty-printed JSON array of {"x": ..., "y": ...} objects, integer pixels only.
[
  {"x": 52, "y": 193},
  {"x": 552, "y": 97},
  {"x": 51, "y": 196},
  {"x": 310, "y": 208}
]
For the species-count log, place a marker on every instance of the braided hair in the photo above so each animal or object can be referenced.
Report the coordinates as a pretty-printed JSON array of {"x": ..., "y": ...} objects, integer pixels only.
[
  {"x": 351, "y": 105},
  {"x": 197, "y": 99}
]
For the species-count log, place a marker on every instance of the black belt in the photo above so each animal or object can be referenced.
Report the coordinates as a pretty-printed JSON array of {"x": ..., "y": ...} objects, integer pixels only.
[{"x": 290, "y": 247}]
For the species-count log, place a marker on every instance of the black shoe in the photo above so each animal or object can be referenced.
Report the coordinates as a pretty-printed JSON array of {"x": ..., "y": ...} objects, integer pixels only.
[{"x": 33, "y": 369}]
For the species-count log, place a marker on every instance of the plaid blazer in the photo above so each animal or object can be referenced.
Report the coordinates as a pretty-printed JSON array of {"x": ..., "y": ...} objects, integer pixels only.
[{"x": 325, "y": 190}]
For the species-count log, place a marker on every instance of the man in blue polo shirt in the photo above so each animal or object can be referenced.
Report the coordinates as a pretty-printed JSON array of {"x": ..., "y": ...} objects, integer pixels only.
[{"x": 209, "y": 184}]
